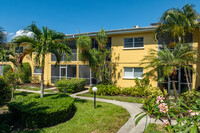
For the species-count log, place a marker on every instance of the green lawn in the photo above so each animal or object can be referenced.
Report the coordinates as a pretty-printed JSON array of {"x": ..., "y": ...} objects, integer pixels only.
[
  {"x": 118, "y": 98},
  {"x": 155, "y": 128},
  {"x": 106, "y": 118}
]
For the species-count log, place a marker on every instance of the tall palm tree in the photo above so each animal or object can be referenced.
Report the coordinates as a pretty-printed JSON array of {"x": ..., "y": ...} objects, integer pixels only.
[
  {"x": 97, "y": 58},
  {"x": 167, "y": 62},
  {"x": 44, "y": 42},
  {"x": 178, "y": 23}
]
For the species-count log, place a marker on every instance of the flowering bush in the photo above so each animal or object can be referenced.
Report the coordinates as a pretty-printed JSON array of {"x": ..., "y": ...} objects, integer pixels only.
[{"x": 187, "y": 118}]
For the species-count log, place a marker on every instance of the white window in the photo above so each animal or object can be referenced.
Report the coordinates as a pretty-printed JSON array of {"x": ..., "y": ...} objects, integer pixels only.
[
  {"x": 133, "y": 72},
  {"x": 134, "y": 42},
  {"x": 37, "y": 70},
  {"x": 1, "y": 70}
]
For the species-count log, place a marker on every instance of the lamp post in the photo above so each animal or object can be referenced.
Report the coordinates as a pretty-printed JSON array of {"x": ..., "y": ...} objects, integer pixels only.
[{"x": 94, "y": 89}]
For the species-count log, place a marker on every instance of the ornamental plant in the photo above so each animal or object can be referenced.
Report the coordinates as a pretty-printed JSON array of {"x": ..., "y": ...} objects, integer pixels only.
[
  {"x": 187, "y": 118},
  {"x": 12, "y": 77}
]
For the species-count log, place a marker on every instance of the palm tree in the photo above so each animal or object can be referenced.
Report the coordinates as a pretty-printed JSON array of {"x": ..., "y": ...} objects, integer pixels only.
[
  {"x": 178, "y": 23},
  {"x": 167, "y": 62},
  {"x": 44, "y": 42},
  {"x": 97, "y": 58}
]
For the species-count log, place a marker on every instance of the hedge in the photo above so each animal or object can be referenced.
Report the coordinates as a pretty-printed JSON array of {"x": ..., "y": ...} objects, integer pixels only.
[
  {"x": 35, "y": 112},
  {"x": 27, "y": 72},
  {"x": 6, "y": 68},
  {"x": 106, "y": 90},
  {"x": 5, "y": 91},
  {"x": 71, "y": 85}
]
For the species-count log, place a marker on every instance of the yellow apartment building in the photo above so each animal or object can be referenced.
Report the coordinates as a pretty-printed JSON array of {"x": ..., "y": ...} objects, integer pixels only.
[{"x": 128, "y": 47}]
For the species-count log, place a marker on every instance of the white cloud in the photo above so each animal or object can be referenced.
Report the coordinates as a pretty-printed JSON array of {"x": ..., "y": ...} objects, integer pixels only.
[
  {"x": 24, "y": 33},
  {"x": 10, "y": 34}
]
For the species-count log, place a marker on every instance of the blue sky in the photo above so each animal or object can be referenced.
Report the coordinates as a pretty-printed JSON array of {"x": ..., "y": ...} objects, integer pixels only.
[{"x": 72, "y": 16}]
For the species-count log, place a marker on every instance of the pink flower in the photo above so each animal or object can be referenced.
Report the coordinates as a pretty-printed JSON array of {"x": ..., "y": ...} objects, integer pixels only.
[
  {"x": 194, "y": 113},
  {"x": 190, "y": 111},
  {"x": 163, "y": 107},
  {"x": 166, "y": 122},
  {"x": 159, "y": 99}
]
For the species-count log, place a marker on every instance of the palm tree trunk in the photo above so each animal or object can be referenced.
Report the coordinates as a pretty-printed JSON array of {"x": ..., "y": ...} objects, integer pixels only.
[
  {"x": 162, "y": 89},
  {"x": 190, "y": 79},
  {"x": 42, "y": 83},
  {"x": 174, "y": 87},
  {"x": 186, "y": 75},
  {"x": 42, "y": 77}
]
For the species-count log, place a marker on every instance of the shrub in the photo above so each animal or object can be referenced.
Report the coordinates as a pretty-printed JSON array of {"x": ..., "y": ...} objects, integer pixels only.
[
  {"x": 107, "y": 90},
  {"x": 152, "y": 93},
  {"x": 6, "y": 68},
  {"x": 27, "y": 72},
  {"x": 5, "y": 91},
  {"x": 190, "y": 98},
  {"x": 134, "y": 91},
  {"x": 71, "y": 85},
  {"x": 35, "y": 79},
  {"x": 35, "y": 112}
]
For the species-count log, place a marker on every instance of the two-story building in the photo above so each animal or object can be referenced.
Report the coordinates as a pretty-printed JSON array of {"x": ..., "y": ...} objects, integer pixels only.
[{"x": 128, "y": 47}]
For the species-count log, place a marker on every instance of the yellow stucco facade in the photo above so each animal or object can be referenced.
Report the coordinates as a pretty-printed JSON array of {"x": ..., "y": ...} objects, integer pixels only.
[{"x": 121, "y": 56}]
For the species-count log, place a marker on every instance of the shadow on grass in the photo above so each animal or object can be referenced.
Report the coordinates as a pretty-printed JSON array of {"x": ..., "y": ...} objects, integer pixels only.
[
  {"x": 25, "y": 130},
  {"x": 77, "y": 100},
  {"x": 22, "y": 94}
]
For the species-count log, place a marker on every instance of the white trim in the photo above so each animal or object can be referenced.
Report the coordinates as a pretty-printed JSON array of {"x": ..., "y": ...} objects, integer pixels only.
[
  {"x": 133, "y": 78},
  {"x": 133, "y": 48},
  {"x": 37, "y": 73}
]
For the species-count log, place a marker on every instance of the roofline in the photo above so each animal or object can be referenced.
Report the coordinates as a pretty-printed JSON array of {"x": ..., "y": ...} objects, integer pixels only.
[{"x": 114, "y": 32}]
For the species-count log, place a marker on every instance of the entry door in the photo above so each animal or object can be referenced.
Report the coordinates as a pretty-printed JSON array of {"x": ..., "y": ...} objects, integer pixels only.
[{"x": 63, "y": 72}]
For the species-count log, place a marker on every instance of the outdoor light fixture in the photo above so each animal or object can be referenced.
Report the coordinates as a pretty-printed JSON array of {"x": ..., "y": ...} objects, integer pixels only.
[{"x": 94, "y": 89}]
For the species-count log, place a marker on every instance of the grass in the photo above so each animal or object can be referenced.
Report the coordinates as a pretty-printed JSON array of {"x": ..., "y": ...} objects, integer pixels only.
[
  {"x": 118, "y": 98},
  {"x": 155, "y": 128},
  {"x": 106, "y": 118}
]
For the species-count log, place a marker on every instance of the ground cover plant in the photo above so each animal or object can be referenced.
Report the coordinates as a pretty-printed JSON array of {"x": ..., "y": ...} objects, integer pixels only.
[{"x": 34, "y": 112}]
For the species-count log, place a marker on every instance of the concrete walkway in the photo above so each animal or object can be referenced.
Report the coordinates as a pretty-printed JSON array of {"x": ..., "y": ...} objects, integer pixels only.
[
  {"x": 132, "y": 108},
  {"x": 53, "y": 88}
]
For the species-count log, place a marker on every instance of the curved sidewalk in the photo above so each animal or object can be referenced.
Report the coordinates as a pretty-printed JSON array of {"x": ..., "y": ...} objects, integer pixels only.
[{"x": 132, "y": 108}]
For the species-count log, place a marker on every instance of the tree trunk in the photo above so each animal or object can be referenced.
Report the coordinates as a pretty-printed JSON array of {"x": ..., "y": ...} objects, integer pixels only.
[
  {"x": 174, "y": 87},
  {"x": 162, "y": 89},
  {"x": 42, "y": 77},
  {"x": 190, "y": 79},
  {"x": 186, "y": 75},
  {"x": 42, "y": 83}
]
